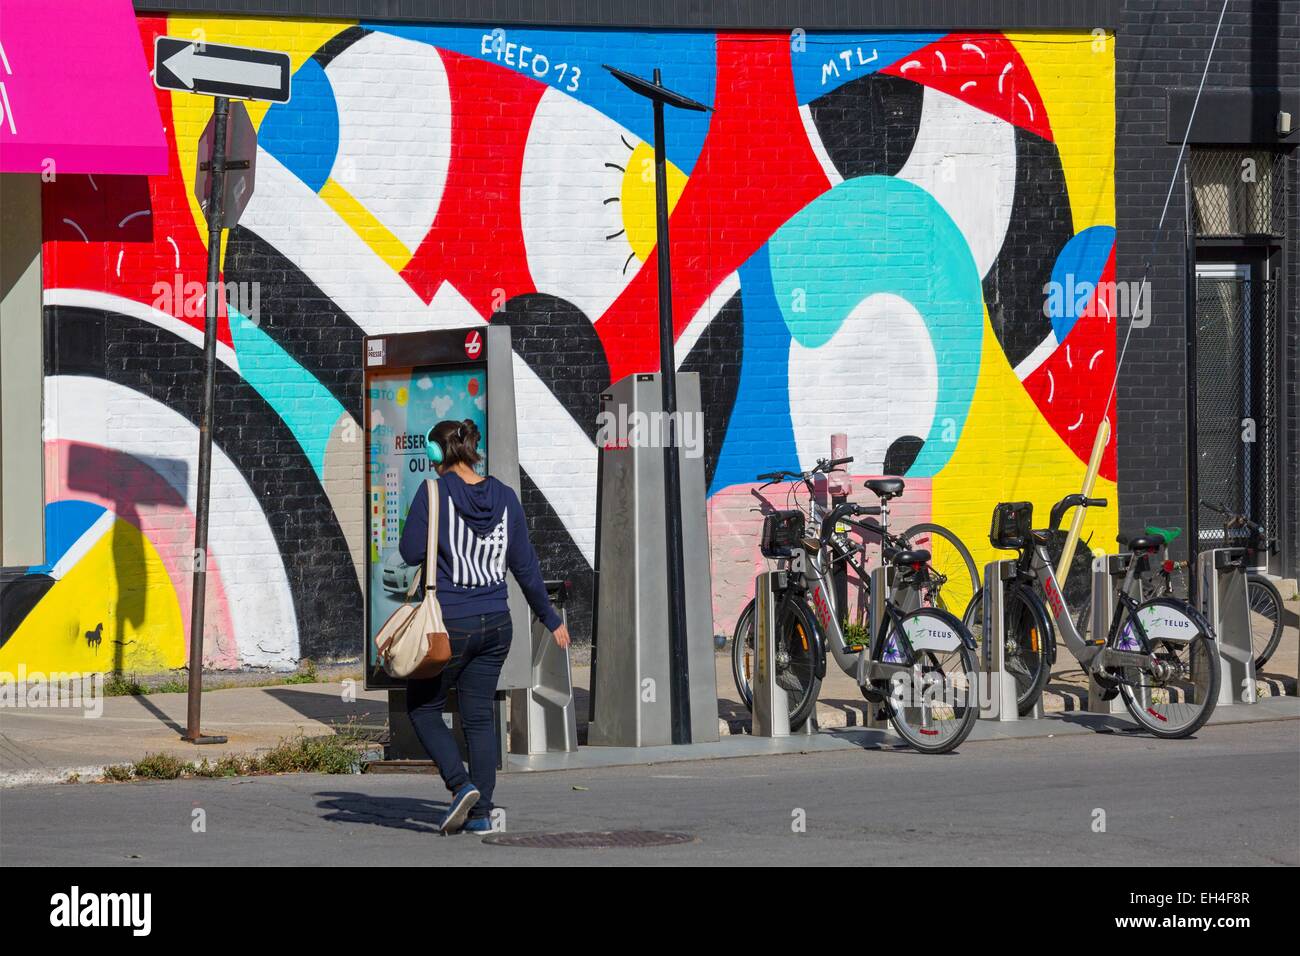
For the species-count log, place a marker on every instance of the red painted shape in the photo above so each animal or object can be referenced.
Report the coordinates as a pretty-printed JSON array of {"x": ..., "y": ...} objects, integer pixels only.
[
  {"x": 1071, "y": 384},
  {"x": 105, "y": 209},
  {"x": 984, "y": 70},
  {"x": 755, "y": 171},
  {"x": 477, "y": 240}
]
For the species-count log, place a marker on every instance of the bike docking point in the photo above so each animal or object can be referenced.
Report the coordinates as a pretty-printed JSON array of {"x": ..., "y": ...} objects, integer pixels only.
[
  {"x": 1108, "y": 571},
  {"x": 997, "y": 689},
  {"x": 1222, "y": 598},
  {"x": 882, "y": 582},
  {"x": 771, "y": 704}
]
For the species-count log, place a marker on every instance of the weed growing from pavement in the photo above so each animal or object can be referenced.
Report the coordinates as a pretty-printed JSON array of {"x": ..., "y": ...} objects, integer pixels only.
[
  {"x": 338, "y": 753},
  {"x": 306, "y": 675}
]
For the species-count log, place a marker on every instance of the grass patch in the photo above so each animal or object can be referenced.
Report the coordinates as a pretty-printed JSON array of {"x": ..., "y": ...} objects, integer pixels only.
[
  {"x": 305, "y": 675},
  {"x": 855, "y": 633},
  {"x": 337, "y": 753},
  {"x": 158, "y": 767},
  {"x": 119, "y": 685}
]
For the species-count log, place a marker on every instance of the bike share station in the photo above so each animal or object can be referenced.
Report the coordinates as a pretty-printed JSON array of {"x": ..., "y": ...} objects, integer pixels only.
[
  {"x": 1221, "y": 598},
  {"x": 412, "y": 381}
]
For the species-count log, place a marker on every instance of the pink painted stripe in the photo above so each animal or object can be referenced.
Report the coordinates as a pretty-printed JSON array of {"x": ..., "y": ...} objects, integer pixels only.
[{"x": 136, "y": 493}]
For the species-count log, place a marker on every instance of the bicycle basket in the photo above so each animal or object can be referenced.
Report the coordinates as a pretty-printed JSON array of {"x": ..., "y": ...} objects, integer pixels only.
[
  {"x": 782, "y": 531},
  {"x": 1012, "y": 522}
]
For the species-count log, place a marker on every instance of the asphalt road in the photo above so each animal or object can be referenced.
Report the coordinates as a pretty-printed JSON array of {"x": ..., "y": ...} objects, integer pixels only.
[{"x": 1231, "y": 796}]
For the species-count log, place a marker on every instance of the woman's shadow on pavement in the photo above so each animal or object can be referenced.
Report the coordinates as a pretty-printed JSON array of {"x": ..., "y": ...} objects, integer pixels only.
[{"x": 397, "y": 813}]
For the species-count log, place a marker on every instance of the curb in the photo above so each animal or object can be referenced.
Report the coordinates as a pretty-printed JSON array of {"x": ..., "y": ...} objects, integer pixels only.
[
  {"x": 1067, "y": 699},
  {"x": 33, "y": 778}
]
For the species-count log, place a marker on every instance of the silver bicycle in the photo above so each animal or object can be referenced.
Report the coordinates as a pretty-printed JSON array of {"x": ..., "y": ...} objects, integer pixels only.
[
  {"x": 919, "y": 664},
  {"x": 1158, "y": 655}
]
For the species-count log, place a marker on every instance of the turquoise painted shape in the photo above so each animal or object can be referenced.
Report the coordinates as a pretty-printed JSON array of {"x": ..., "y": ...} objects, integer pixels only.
[
  {"x": 304, "y": 404},
  {"x": 881, "y": 235}
]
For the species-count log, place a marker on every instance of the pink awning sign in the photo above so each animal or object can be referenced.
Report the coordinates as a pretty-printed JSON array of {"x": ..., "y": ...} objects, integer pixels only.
[{"x": 75, "y": 94}]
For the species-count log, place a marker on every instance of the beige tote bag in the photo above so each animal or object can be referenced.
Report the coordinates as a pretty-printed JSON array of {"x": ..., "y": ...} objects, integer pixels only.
[{"x": 413, "y": 643}]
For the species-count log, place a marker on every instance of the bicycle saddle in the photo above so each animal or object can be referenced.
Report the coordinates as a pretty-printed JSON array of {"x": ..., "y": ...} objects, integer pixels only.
[
  {"x": 885, "y": 488},
  {"x": 1143, "y": 542},
  {"x": 908, "y": 558}
]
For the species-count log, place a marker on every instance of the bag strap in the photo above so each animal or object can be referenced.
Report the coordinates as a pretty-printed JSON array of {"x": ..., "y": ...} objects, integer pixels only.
[{"x": 431, "y": 546}]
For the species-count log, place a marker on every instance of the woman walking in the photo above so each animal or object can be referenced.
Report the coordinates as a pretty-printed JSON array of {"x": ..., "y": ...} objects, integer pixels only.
[{"x": 481, "y": 533}]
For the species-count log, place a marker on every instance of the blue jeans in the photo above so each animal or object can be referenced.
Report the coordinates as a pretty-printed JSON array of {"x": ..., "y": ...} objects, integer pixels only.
[{"x": 479, "y": 645}]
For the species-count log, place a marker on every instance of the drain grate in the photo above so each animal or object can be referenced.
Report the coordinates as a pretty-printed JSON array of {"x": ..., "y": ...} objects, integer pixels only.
[{"x": 590, "y": 839}]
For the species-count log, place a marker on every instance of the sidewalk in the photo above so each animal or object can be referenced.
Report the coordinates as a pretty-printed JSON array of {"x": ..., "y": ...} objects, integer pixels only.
[{"x": 46, "y": 745}]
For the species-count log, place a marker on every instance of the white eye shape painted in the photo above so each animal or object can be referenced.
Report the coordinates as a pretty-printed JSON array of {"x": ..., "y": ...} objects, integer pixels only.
[
  {"x": 394, "y": 149},
  {"x": 876, "y": 379},
  {"x": 586, "y": 203}
]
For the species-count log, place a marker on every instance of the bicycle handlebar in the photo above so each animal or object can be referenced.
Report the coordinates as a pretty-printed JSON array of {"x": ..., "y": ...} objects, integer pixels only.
[
  {"x": 823, "y": 465},
  {"x": 841, "y": 511},
  {"x": 1073, "y": 501},
  {"x": 1241, "y": 519}
]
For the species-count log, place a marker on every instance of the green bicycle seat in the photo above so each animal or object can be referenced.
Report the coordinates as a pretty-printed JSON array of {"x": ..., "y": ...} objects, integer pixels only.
[{"x": 1169, "y": 534}]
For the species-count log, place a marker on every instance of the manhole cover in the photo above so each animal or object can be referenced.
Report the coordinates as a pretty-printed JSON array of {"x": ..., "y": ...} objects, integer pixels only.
[{"x": 589, "y": 840}]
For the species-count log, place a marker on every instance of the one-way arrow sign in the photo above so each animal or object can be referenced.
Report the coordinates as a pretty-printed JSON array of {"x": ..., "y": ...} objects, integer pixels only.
[{"x": 232, "y": 71}]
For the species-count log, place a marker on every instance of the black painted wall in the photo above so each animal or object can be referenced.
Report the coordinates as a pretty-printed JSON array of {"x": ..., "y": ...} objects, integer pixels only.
[{"x": 1163, "y": 44}]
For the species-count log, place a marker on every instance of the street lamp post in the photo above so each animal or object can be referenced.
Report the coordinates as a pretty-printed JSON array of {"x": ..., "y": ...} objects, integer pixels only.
[{"x": 678, "y": 671}]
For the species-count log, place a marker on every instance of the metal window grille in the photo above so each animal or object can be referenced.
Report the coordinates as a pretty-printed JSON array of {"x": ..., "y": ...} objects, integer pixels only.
[
  {"x": 1238, "y": 192},
  {"x": 1236, "y": 404}
]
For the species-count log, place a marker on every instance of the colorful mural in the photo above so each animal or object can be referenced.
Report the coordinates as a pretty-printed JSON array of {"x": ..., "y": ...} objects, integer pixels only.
[{"x": 864, "y": 232}]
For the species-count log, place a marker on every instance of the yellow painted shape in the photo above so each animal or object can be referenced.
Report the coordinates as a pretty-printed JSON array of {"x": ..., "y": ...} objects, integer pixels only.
[
  {"x": 637, "y": 198},
  {"x": 1075, "y": 76},
  {"x": 120, "y": 582},
  {"x": 1007, "y": 451},
  {"x": 190, "y": 112},
  {"x": 363, "y": 222}
]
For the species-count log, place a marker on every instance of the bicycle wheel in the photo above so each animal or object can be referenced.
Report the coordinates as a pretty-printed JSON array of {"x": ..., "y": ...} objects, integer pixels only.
[
  {"x": 796, "y": 659},
  {"x": 1265, "y": 617},
  {"x": 1179, "y": 698},
  {"x": 1026, "y": 633},
  {"x": 950, "y": 558},
  {"x": 935, "y": 708}
]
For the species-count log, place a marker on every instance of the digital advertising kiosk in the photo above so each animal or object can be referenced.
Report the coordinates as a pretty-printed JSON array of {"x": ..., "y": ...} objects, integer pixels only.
[{"x": 412, "y": 381}]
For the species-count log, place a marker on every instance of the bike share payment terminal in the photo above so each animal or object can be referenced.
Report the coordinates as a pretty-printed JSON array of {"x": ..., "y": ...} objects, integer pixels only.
[{"x": 412, "y": 381}]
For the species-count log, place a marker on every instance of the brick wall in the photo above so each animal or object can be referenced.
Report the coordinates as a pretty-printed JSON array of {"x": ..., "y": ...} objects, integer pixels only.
[
  {"x": 863, "y": 228},
  {"x": 1163, "y": 44}
]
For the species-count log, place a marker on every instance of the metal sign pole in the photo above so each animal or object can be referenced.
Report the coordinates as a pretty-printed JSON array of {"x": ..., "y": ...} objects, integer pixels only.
[
  {"x": 678, "y": 673},
  {"x": 678, "y": 669},
  {"x": 216, "y": 214}
]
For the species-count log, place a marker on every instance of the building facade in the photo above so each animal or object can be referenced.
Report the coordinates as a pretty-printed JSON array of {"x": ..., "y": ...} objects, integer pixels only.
[{"x": 921, "y": 226}]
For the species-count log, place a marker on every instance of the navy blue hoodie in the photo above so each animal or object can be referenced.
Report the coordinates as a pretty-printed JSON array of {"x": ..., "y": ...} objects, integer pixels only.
[{"x": 481, "y": 534}]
